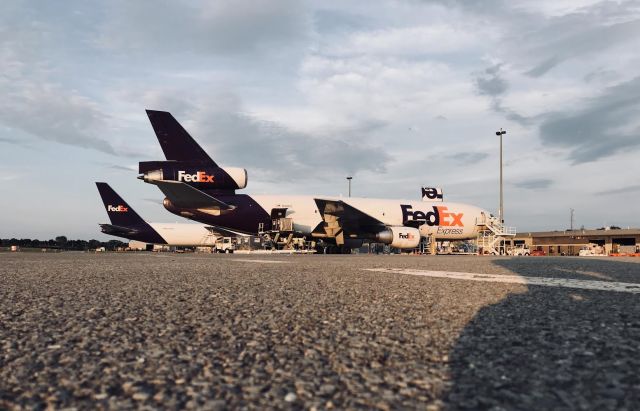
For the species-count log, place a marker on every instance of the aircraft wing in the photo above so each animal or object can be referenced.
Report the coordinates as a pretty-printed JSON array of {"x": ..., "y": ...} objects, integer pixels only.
[
  {"x": 342, "y": 219},
  {"x": 224, "y": 232},
  {"x": 183, "y": 195}
]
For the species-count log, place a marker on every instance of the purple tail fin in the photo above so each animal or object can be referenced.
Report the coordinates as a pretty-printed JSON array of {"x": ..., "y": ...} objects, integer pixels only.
[
  {"x": 176, "y": 143},
  {"x": 120, "y": 213}
]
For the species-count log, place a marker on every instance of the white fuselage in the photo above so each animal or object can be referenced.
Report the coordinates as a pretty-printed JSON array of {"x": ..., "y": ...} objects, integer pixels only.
[
  {"x": 443, "y": 220},
  {"x": 184, "y": 235}
]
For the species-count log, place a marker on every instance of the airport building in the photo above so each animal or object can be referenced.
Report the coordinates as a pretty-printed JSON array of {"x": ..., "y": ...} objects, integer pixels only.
[{"x": 569, "y": 242}]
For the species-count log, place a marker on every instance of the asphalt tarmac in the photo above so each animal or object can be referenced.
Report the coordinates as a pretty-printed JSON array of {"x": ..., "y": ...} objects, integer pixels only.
[{"x": 195, "y": 331}]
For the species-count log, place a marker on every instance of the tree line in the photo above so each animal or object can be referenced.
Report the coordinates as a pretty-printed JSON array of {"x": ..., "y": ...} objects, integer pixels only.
[{"x": 62, "y": 243}]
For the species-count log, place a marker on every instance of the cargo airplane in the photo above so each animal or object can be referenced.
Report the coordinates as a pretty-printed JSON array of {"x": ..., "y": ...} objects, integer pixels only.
[
  {"x": 197, "y": 188},
  {"x": 126, "y": 223}
]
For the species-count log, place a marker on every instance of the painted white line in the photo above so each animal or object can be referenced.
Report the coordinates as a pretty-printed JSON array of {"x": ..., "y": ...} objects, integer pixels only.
[
  {"x": 516, "y": 279},
  {"x": 248, "y": 260}
]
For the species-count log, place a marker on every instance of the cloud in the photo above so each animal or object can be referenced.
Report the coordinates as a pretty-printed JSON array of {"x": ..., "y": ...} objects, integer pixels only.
[
  {"x": 621, "y": 190},
  {"x": 327, "y": 21},
  {"x": 15, "y": 141},
  {"x": 534, "y": 184},
  {"x": 234, "y": 137},
  {"x": 608, "y": 124},
  {"x": 232, "y": 27},
  {"x": 33, "y": 101},
  {"x": 55, "y": 115},
  {"x": 405, "y": 41},
  {"x": 543, "y": 67},
  {"x": 467, "y": 157},
  {"x": 543, "y": 35},
  {"x": 600, "y": 74},
  {"x": 9, "y": 177},
  {"x": 574, "y": 35},
  {"x": 124, "y": 168},
  {"x": 490, "y": 83}
]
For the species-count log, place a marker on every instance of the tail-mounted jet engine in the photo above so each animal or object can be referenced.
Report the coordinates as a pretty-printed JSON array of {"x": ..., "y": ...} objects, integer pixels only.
[
  {"x": 400, "y": 237},
  {"x": 194, "y": 174}
]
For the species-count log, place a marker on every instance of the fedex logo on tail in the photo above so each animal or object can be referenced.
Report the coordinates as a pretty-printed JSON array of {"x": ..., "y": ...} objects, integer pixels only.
[
  {"x": 439, "y": 216},
  {"x": 117, "y": 209},
  {"x": 198, "y": 177}
]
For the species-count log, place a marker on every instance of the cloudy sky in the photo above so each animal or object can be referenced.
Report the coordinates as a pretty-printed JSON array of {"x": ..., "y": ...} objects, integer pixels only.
[{"x": 398, "y": 94}]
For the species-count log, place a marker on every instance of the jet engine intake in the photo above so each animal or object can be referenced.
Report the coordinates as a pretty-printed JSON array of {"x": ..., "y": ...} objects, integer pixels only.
[
  {"x": 153, "y": 175},
  {"x": 400, "y": 237},
  {"x": 239, "y": 175},
  {"x": 200, "y": 177}
]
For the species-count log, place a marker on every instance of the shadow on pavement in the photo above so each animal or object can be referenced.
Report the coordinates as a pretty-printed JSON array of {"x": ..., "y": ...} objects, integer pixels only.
[{"x": 552, "y": 348}]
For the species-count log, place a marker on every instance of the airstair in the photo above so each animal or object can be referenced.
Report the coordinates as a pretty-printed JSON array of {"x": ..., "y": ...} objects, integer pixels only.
[
  {"x": 492, "y": 235},
  {"x": 208, "y": 240}
]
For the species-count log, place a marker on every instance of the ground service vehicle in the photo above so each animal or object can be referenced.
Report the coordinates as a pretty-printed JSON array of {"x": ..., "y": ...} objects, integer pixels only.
[
  {"x": 225, "y": 245},
  {"x": 519, "y": 251}
]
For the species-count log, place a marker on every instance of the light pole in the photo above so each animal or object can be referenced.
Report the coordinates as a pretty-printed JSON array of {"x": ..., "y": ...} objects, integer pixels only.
[
  {"x": 500, "y": 133},
  {"x": 349, "y": 178},
  {"x": 571, "y": 226}
]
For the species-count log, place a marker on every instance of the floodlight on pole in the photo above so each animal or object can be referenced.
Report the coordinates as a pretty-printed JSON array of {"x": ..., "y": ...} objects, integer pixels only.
[
  {"x": 571, "y": 223},
  {"x": 500, "y": 133}
]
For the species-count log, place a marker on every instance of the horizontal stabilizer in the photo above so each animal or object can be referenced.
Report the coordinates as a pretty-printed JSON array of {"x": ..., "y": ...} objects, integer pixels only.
[
  {"x": 118, "y": 230},
  {"x": 182, "y": 195}
]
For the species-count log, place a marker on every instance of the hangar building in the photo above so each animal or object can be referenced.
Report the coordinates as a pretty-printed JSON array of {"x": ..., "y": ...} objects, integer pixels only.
[{"x": 569, "y": 242}]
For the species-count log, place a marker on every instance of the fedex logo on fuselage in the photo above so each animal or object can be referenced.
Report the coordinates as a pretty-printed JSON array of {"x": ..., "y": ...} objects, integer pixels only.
[
  {"x": 407, "y": 236},
  {"x": 439, "y": 216},
  {"x": 198, "y": 177},
  {"x": 117, "y": 209}
]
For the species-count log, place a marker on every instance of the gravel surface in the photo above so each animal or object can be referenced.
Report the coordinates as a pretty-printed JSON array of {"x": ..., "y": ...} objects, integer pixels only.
[{"x": 165, "y": 331}]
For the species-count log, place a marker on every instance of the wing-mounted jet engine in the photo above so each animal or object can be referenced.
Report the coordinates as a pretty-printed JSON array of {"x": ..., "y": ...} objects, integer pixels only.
[{"x": 399, "y": 237}]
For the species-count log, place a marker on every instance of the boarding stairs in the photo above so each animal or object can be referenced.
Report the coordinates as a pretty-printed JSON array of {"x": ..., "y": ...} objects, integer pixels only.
[
  {"x": 208, "y": 240},
  {"x": 492, "y": 235}
]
